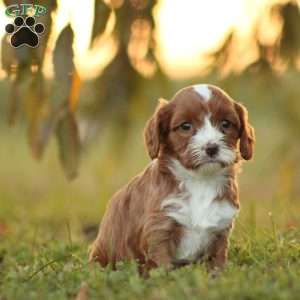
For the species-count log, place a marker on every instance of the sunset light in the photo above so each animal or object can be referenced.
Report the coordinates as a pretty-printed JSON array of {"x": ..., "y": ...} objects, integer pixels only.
[{"x": 185, "y": 32}]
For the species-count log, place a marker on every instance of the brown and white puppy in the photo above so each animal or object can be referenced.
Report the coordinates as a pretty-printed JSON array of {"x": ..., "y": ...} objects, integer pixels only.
[{"x": 182, "y": 207}]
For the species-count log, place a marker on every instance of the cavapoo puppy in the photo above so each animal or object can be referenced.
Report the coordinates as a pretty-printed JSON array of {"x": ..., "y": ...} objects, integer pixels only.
[{"x": 181, "y": 208}]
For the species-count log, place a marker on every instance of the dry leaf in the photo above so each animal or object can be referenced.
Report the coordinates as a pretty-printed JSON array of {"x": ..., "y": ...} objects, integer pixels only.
[{"x": 74, "y": 93}]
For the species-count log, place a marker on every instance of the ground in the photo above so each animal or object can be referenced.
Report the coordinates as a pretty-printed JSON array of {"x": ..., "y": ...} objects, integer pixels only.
[{"x": 261, "y": 267}]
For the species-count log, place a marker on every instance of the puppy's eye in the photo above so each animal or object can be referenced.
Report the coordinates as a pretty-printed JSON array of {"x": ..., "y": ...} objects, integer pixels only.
[
  {"x": 225, "y": 124},
  {"x": 186, "y": 126}
]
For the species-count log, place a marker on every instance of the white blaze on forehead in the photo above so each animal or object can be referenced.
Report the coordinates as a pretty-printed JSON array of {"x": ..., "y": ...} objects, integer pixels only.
[
  {"x": 207, "y": 134},
  {"x": 203, "y": 90}
]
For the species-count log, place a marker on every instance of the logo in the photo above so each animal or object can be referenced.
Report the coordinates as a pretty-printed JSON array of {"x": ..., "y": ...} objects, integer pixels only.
[
  {"x": 16, "y": 10},
  {"x": 24, "y": 30}
]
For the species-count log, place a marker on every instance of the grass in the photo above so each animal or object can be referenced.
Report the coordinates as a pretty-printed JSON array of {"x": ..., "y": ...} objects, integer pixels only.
[
  {"x": 45, "y": 221},
  {"x": 264, "y": 267}
]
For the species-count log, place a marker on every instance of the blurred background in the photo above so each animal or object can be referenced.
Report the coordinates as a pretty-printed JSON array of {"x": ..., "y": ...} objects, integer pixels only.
[{"x": 72, "y": 110}]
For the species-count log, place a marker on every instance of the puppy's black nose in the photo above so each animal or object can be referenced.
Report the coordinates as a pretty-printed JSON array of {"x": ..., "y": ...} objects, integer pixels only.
[{"x": 212, "y": 150}]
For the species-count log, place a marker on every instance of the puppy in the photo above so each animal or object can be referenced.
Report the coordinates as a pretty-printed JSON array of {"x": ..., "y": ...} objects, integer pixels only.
[{"x": 181, "y": 208}]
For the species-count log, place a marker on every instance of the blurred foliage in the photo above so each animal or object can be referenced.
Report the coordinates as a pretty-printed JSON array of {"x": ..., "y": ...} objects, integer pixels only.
[
  {"x": 286, "y": 48},
  {"x": 115, "y": 95},
  {"x": 133, "y": 63},
  {"x": 52, "y": 108}
]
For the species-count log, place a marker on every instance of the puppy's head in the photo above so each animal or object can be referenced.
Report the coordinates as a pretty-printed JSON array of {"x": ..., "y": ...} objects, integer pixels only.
[{"x": 202, "y": 127}]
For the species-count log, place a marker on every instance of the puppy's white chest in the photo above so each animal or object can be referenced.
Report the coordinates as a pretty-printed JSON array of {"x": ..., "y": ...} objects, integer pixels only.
[{"x": 201, "y": 215}]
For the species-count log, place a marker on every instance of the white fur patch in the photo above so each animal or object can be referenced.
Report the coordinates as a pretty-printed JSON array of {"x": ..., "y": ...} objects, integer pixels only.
[
  {"x": 197, "y": 210},
  {"x": 204, "y": 91},
  {"x": 210, "y": 134},
  {"x": 207, "y": 134}
]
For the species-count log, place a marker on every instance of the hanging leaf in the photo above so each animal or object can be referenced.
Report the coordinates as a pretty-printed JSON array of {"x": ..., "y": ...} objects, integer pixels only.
[
  {"x": 69, "y": 145},
  {"x": 63, "y": 66},
  {"x": 44, "y": 128},
  {"x": 8, "y": 59},
  {"x": 101, "y": 16},
  {"x": 113, "y": 90},
  {"x": 47, "y": 120},
  {"x": 74, "y": 92},
  {"x": 289, "y": 45},
  {"x": 47, "y": 21},
  {"x": 14, "y": 101},
  {"x": 16, "y": 63},
  {"x": 37, "y": 112},
  {"x": 63, "y": 54},
  {"x": 65, "y": 96}
]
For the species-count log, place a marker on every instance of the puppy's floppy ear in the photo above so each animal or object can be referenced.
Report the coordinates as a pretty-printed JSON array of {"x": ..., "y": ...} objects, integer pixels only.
[
  {"x": 247, "y": 134},
  {"x": 153, "y": 132}
]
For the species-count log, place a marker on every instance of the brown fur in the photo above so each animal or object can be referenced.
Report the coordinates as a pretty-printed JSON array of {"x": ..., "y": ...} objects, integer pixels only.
[
  {"x": 134, "y": 226},
  {"x": 218, "y": 251}
]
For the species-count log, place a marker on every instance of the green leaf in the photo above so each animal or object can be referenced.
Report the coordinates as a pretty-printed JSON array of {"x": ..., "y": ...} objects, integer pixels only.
[
  {"x": 65, "y": 95},
  {"x": 69, "y": 144},
  {"x": 63, "y": 66}
]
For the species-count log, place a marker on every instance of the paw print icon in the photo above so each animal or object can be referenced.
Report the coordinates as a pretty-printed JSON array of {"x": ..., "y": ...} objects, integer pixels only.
[{"x": 25, "y": 32}]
